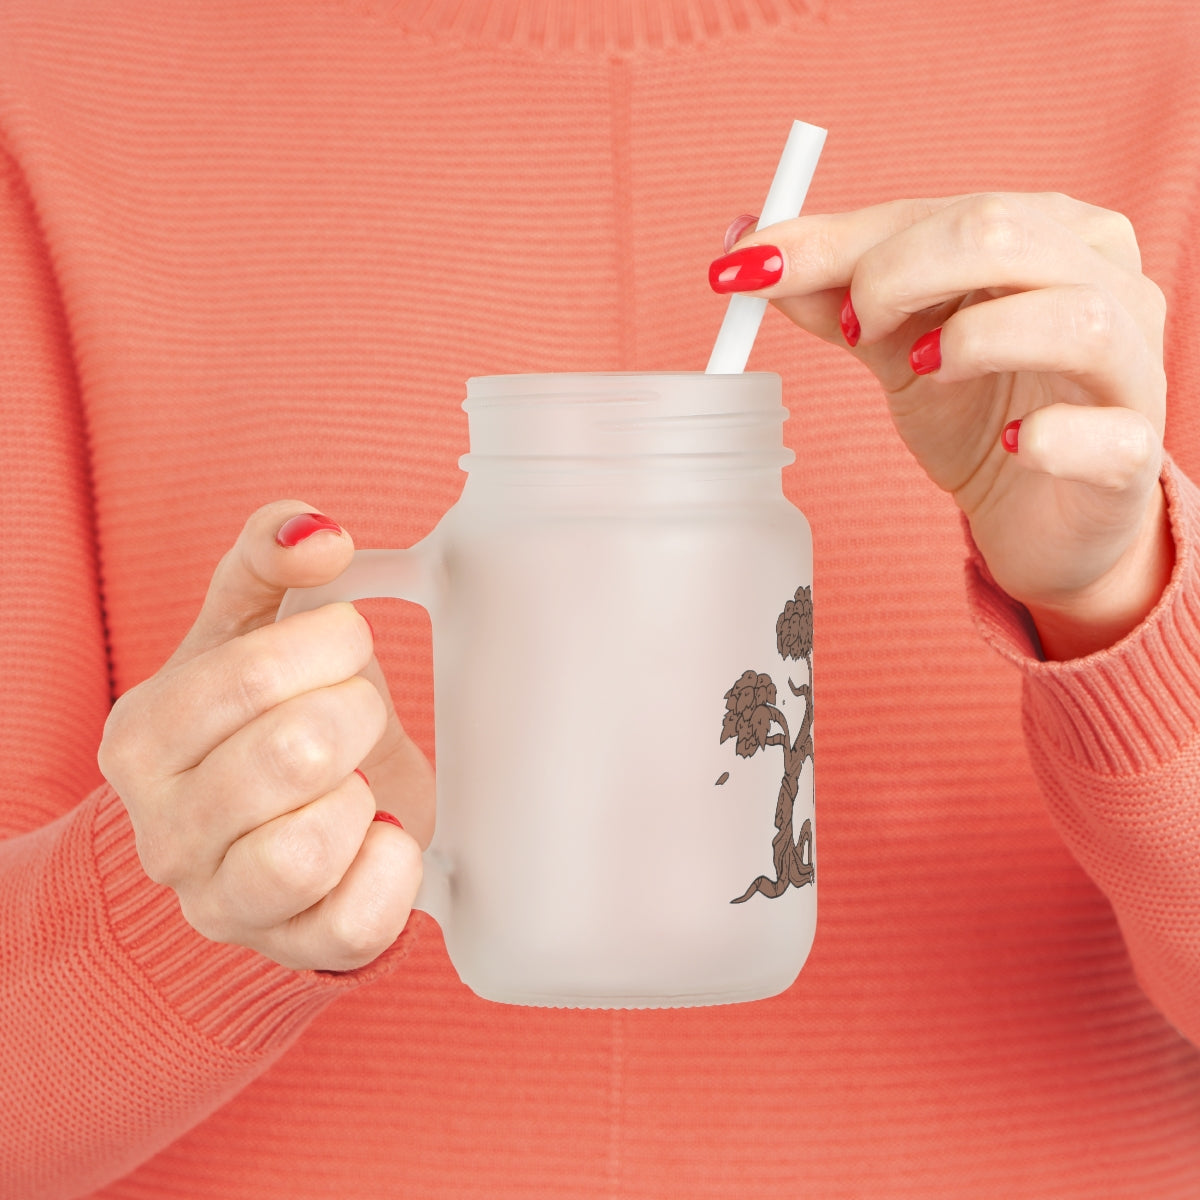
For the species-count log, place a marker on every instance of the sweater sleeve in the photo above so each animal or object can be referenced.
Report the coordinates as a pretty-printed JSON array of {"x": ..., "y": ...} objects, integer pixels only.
[
  {"x": 1114, "y": 739},
  {"x": 120, "y": 1027}
]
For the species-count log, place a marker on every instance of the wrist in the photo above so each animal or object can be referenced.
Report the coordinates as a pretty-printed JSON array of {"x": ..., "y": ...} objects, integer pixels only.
[{"x": 1113, "y": 606}]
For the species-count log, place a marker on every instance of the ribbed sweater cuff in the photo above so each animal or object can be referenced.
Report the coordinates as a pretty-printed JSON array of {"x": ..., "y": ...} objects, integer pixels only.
[
  {"x": 233, "y": 996},
  {"x": 1130, "y": 707}
]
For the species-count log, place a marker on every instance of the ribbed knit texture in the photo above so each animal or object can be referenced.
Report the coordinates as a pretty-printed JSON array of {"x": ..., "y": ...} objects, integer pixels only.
[{"x": 252, "y": 251}]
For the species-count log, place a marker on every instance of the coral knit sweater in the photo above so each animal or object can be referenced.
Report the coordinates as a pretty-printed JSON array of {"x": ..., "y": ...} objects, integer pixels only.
[{"x": 251, "y": 251}]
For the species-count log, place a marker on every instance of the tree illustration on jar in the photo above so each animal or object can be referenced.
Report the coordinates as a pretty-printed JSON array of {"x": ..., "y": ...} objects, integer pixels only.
[{"x": 754, "y": 721}]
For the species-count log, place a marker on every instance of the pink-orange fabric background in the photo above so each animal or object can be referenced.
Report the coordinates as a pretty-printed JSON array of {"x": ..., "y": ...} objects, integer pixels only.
[{"x": 253, "y": 251}]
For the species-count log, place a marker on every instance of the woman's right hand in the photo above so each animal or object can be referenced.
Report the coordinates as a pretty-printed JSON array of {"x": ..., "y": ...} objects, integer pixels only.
[{"x": 237, "y": 762}]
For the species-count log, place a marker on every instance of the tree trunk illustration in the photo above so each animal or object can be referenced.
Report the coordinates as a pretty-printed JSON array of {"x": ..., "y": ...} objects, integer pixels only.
[{"x": 751, "y": 715}]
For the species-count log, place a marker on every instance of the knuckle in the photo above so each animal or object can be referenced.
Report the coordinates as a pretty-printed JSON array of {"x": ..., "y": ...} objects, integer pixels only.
[
  {"x": 160, "y": 859},
  {"x": 1127, "y": 451},
  {"x": 1059, "y": 206},
  {"x": 258, "y": 679},
  {"x": 817, "y": 254},
  {"x": 360, "y": 934},
  {"x": 297, "y": 859},
  {"x": 994, "y": 226},
  {"x": 1141, "y": 446},
  {"x": 298, "y": 751},
  {"x": 1112, "y": 234},
  {"x": 208, "y": 919},
  {"x": 1117, "y": 476},
  {"x": 1117, "y": 229},
  {"x": 120, "y": 752},
  {"x": 1090, "y": 317},
  {"x": 112, "y": 753}
]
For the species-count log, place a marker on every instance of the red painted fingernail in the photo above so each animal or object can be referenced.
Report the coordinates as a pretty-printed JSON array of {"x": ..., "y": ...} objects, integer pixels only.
[
  {"x": 295, "y": 529},
  {"x": 1009, "y": 436},
  {"x": 362, "y": 777},
  {"x": 737, "y": 227},
  {"x": 926, "y": 353},
  {"x": 746, "y": 270},
  {"x": 380, "y": 815},
  {"x": 851, "y": 330}
]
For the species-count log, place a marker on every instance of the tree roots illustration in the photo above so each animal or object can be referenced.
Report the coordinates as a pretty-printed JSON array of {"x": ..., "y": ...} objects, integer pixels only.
[{"x": 754, "y": 720}]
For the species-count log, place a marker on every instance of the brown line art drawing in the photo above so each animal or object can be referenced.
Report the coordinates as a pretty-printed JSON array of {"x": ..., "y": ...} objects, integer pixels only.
[{"x": 750, "y": 715}]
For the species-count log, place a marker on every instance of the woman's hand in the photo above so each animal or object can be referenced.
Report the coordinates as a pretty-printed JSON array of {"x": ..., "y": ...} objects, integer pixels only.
[
  {"x": 977, "y": 313},
  {"x": 237, "y": 762}
]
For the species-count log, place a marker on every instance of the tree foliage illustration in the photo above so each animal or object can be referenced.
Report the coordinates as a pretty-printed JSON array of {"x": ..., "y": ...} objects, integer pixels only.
[{"x": 754, "y": 721}]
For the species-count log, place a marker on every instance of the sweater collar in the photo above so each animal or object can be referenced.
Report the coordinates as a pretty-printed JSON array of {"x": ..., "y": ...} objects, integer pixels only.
[{"x": 616, "y": 26}]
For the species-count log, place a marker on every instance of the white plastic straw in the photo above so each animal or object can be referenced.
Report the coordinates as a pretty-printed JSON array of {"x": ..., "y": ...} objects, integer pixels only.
[{"x": 788, "y": 189}]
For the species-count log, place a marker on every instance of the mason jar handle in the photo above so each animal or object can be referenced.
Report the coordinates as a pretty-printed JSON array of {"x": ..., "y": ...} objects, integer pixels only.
[
  {"x": 397, "y": 574},
  {"x": 388, "y": 574}
]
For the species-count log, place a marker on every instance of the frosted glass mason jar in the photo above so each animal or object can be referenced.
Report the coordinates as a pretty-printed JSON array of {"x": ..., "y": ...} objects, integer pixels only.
[{"x": 622, "y": 643}]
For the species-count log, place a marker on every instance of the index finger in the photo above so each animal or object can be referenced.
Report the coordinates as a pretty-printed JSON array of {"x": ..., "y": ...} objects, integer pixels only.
[
  {"x": 189, "y": 709},
  {"x": 821, "y": 250}
]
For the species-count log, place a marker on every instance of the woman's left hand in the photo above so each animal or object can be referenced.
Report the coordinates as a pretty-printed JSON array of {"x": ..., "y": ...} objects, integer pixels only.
[{"x": 979, "y": 312}]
